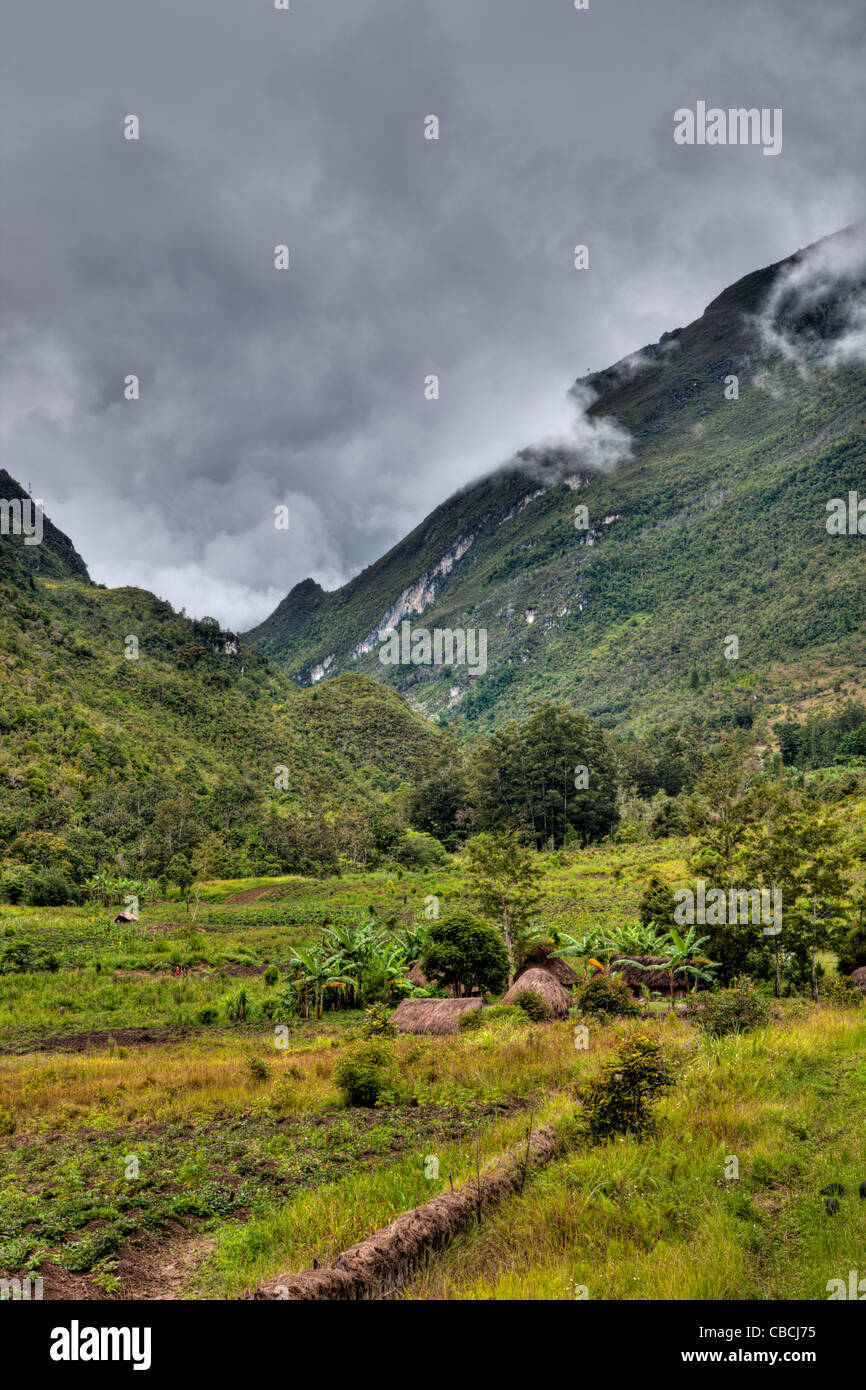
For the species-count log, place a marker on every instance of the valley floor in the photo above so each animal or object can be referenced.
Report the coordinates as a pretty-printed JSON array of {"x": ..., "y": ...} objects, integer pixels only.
[{"x": 147, "y": 1154}]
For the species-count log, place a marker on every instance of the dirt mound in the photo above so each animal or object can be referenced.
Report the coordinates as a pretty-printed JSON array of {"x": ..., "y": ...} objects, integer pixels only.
[{"x": 382, "y": 1264}]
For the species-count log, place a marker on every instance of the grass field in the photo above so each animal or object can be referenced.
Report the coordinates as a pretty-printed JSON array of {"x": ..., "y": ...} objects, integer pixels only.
[{"x": 145, "y": 1154}]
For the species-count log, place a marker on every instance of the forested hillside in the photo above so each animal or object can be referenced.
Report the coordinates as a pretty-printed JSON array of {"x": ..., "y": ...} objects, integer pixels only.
[{"x": 729, "y": 437}]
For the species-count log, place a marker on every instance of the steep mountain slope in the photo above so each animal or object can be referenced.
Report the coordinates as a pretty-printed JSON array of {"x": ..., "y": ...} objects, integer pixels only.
[
  {"x": 711, "y": 525},
  {"x": 114, "y": 750}
]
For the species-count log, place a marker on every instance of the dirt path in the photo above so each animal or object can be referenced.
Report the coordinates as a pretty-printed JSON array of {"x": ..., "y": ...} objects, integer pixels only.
[{"x": 250, "y": 895}]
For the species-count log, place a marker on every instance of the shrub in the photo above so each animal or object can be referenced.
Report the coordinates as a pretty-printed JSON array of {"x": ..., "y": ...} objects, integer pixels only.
[
  {"x": 377, "y": 1022},
  {"x": 851, "y": 955},
  {"x": 838, "y": 989},
  {"x": 532, "y": 1005},
  {"x": 618, "y": 1099},
  {"x": 52, "y": 889},
  {"x": 239, "y": 1006},
  {"x": 15, "y": 885},
  {"x": 657, "y": 904},
  {"x": 465, "y": 952},
  {"x": 272, "y": 976},
  {"x": 606, "y": 996},
  {"x": 258, "y": 1069},
  {"x": 732, "y": 1011},
  {"x": 495, "y": 1013},
  {"x": 420, "y": 851},
  {"x": 22, "y": 957},
  {"x": 207, "y": 1015},
  {"x": 363, "y": 1072}
]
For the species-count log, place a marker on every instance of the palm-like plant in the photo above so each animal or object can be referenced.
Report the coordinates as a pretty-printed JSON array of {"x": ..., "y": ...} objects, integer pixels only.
[
  {"x": 683, "y": 954},
  {"x": 348, "y": 951},
  {"x": 314, "y": 975},
  {"x": 585, "y": 948},
  {"x": 636, "y": 938},
  {"x": 391, "y": 960},
  {"x": 412, "y": 940}
]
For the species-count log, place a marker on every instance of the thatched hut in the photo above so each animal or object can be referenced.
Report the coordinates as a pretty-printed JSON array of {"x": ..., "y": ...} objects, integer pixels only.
[
  {"x": 432, "y": 1015},
  {"x": 542, "y": 983},
  {"x": 859, "y": 977},
  {"x": 657, "y": 980},
  {"x": 542, "y": 958}
]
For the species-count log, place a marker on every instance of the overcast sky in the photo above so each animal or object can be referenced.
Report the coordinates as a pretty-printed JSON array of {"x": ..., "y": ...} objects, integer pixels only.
[{"x": 407, "y": 256}]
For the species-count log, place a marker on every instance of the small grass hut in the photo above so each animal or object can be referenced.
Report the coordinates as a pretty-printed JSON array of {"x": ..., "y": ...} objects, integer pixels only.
[
  {"x": 542, "y": 983},
  {"x": 656, "y": 980},
  {"x": 542, "y": 958},
  {"x": 432, "y": 1015}
]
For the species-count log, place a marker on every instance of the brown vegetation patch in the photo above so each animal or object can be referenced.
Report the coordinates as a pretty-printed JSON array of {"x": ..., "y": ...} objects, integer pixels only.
[{"x": 100, "y": 1038}]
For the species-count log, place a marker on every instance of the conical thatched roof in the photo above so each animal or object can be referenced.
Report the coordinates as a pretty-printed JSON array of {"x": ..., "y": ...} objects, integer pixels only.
[
  {"x": 541, "y": 982},
  {"x": 859, "y": 977},
  {"x": 542, "y": 958},
  {"x": 653, "y": 979},
  {"x": 431, "y": 1015}
]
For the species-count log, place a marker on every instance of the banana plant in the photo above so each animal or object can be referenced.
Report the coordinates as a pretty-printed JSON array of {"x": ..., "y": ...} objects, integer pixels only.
[
  {"x": 584, "y": 948},
  {"x": 683, "y": 954},
  {"x": 316, "y": 975}
]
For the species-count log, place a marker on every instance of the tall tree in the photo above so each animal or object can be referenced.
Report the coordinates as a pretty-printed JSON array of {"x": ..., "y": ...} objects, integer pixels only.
[{"x": 504, "y": 878}]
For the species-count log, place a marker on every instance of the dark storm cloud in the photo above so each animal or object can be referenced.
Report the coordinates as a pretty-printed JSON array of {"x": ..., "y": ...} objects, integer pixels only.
[{"x": 408, "y": 257}]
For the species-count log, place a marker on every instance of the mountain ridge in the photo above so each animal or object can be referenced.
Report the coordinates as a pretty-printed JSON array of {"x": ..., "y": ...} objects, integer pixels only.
[{"x": 794, "y": 416}]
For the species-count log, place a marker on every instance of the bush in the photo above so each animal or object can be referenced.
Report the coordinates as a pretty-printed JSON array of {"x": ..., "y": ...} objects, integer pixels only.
[
  {"x": 420, "y": 851},
  {"x": 853, "y": 951},
  {"x": 618, "y": 1099},
  {"x": 22, "y": 957},
  {"x": 377, "y": 1022},
  {"x": 52, "y": 889},
  {"x": 657, "y": 904},
  {"x": 258, "y": 1069},
  {"x": 15, "y": 885},
  {"x": 495, "y": 1013},
  {"x": 465, "y": 952},
  {"x": 207, "y": 1015},
  {"x": 606, "y": 996},
  {"x": 732, "y": 1011},
  {"x": 838, "y": 989},
  {"x": 272, "y": 976},
  {"x": 533, "y": 1005},
  {"x": 363, "y": 1072},
  {"x": 239, "y": 1006}
]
